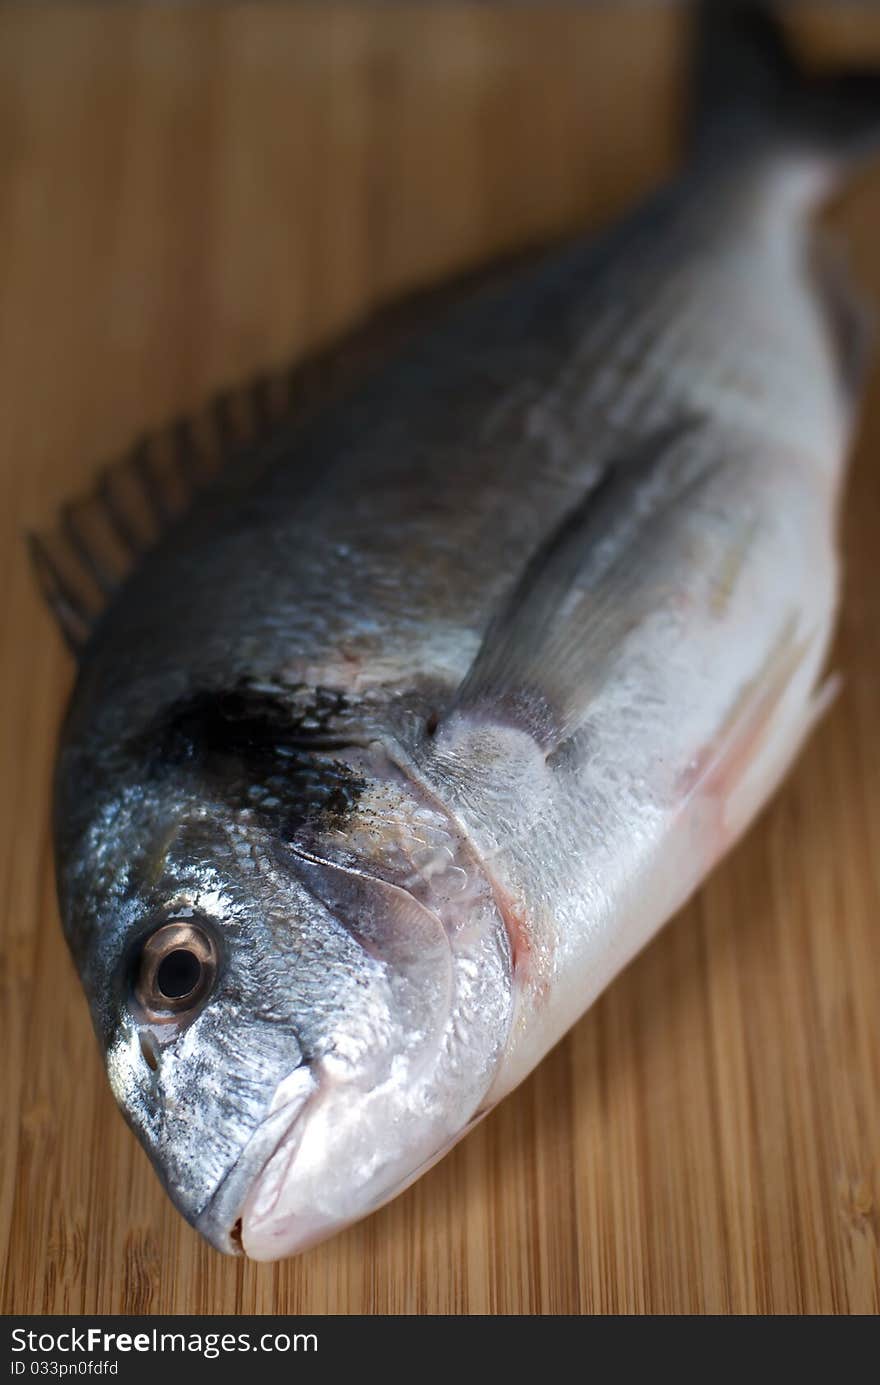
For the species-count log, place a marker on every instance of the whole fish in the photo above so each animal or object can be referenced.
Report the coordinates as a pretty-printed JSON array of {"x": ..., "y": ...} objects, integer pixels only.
[{"x": 396, "y": 741}]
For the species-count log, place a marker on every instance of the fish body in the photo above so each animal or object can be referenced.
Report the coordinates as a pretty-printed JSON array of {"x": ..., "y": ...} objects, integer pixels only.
[{"x": 434, "y": 706}]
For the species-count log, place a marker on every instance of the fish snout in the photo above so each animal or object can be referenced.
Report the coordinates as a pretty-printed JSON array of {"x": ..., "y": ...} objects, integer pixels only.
[{"x": 221, "y": 1220}]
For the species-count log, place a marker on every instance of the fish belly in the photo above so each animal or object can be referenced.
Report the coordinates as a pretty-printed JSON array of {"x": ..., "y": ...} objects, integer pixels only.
[{"x": 699, "y": 712}]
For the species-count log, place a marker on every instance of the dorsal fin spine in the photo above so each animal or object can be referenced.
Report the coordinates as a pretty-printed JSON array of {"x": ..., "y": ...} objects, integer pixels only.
[{"x": 138, "y": 497}]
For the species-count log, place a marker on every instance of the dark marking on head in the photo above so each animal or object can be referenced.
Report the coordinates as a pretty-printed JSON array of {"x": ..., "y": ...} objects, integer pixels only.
[{"x": 266, "y": 751}]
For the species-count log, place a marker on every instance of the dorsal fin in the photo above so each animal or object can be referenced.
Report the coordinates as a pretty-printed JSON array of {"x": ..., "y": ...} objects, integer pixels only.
[{"x": 97, "y": 540}]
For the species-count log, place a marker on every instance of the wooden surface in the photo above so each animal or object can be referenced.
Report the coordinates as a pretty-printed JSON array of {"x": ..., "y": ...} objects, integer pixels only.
[{"x": 187, "y": 195}]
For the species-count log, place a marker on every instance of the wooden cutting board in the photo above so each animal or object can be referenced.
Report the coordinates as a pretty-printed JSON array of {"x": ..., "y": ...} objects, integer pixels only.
[{"x": 187, "y": 196}]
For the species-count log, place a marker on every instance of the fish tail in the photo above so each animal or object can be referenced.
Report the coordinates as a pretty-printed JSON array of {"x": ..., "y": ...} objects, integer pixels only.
[{"x": 750, "y": 88}]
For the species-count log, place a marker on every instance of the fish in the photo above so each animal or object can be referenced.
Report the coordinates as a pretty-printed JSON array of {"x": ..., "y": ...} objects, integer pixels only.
[{"x": 417, "y": 689}]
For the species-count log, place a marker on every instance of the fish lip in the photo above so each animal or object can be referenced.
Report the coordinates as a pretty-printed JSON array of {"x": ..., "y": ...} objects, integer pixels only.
[{"x": 219, "y": 1219}]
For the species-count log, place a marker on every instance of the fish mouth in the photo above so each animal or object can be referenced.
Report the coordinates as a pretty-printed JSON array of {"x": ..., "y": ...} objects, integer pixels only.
[{"x": 220, "y": 1220}]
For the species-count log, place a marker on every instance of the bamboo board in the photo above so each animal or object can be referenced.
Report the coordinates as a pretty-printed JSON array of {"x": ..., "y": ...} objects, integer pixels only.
[{"x": 187, "y": 196}]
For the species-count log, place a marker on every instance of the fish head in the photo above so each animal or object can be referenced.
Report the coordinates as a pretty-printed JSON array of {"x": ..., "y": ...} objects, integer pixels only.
[{"x": 297, "y": 1018}]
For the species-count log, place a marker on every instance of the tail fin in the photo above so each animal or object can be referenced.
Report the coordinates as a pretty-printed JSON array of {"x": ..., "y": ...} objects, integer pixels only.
[{"x": 749, "y": 87}]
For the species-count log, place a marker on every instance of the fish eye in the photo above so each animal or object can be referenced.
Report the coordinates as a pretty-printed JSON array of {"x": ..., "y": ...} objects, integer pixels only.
[{"x": 175, "y": 972}]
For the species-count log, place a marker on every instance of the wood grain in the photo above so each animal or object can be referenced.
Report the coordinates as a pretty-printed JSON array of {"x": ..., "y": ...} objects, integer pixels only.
[{"x": 187, "y": 195}]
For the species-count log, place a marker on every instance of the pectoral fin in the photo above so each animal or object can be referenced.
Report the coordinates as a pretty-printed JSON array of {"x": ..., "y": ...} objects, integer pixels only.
[{"x": 547, "y": 649}]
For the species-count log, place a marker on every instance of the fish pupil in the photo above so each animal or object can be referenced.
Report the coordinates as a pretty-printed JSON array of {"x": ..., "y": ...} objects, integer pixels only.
[{"x": 178, "y": 974}]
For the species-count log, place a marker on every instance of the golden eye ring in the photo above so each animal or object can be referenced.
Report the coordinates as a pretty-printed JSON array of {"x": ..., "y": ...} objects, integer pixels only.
[{"x": 176, "y": 972}]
